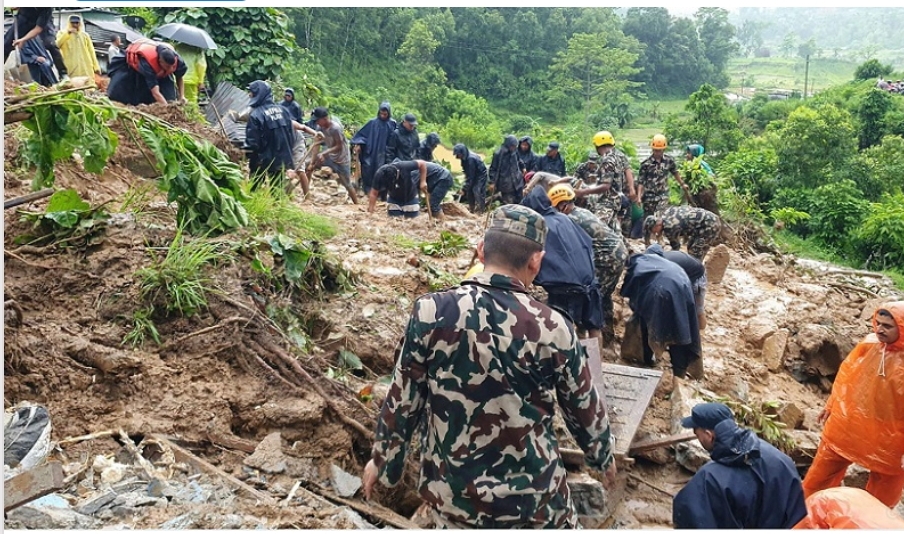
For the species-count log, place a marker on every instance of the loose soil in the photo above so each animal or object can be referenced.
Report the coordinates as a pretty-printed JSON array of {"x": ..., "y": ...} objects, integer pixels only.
[{"x": 68, "y": 311}]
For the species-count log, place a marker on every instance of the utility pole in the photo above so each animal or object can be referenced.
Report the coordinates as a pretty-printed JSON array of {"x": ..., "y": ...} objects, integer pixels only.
[{"x": 806, "y": 76}]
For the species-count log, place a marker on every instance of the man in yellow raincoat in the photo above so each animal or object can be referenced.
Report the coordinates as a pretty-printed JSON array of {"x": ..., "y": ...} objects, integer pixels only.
[
  {"x": 197, "y": 69},
  {"x": 77, "y": 49},
  {"x": 864, "y": 416}
]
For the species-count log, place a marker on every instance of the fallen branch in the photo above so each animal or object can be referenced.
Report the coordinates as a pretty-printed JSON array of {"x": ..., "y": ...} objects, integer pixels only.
[
  {"x": 33, "y": 96},
  {"x": 869, "y": 274},
  {"x": 19, "y": 116},
  {"x": 206, "y": 330},
  {"x": 657, "y": 443},
  {"x": 650, "y": 484},
  {"x": 371, "y": 511},
  {"x": 853, "y": 288},
  {"x": 37, "y": 195},
  {"x": 230, "y": 441},
  {"x": 268, "y": 347},
  {"x": 86, "y": 437},
  {"x": 143, "y": 462}
]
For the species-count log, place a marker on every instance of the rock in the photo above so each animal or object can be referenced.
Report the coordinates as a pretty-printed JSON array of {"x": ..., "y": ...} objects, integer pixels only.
[
  {"x": 856, "y": 477},
  {"x": 806, "y": 443},
  {"x": 110, "y": 471},
  {"x": 91, "y": 507},
  {"x": 268, "y": 456},
  {"x": 659, "y": 456},
  {"x": 648, "y": 513},
  {"x": 774, "y": 349},
  {"x": 810, "y": 419},
  {"x": 346, "y": 485},
  {"x": 870, "y": 307},
  {"x": 790, "y": 414},
  {"x": 347, "y": 518},
  {"x": 691, "y": 455},
  {"x": 589, "y": 499},
  {"x": 49, "y": 518},
  {"x": 423, "y": 517},
  {"x": 231, "y": 522},
  {"x": 159, "y": 488},
  {"x": 717, "y": 263},
  {"x": 757, "y": 332},
  {"x": 303, "y": 468},
  {"x": 180, "y": 522},
  {"x": 193, "y": 493}
]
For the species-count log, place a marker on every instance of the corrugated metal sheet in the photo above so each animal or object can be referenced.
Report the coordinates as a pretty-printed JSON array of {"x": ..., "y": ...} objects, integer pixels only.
[{"x": 228, "y": 98}]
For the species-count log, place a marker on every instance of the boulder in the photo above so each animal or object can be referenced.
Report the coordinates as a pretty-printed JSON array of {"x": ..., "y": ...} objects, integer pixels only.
[
  {"x": 50, "y": 512},
  {"x": 856, "y": 477},
  {"x": 870, "y": 307},
  {"x": 268, "y": 456},
  {"x": 806, "y": 442},
  {"x": 589, "y": 499},
  {"x": 774, "y": 349},
  {"x": 345, "y": 484},
  {"x": 691, "y": 455},
  {"x": 790, "y": 414},
  {"x": 717, "y": 263},
  {"x": 757, "y": 332}
]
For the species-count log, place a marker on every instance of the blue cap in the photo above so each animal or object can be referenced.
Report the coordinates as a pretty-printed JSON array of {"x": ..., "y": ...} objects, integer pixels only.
[{"x": 707, "y": 415}]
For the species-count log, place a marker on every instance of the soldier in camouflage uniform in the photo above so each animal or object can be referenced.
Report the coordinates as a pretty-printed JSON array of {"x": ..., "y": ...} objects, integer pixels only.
[
  {"x": 589, "y": 171},
  {"x": 610, "y": 254},
  {"x": 653, "y": 189},
  {"x": 699, "y": 228},
  {"x": 488, "y": 364}
]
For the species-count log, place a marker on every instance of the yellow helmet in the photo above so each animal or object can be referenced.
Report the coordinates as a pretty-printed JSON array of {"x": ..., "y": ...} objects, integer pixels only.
[
  {"x": 603, "y": 138},
  {"x": 659, "y": 142},
  {"x": 477, "y": 268},
  {"x": 560, "y": 193}
]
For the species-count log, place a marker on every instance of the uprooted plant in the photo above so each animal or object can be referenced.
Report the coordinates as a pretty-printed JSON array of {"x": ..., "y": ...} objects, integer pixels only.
[
  {"x": 761, "y": 418},
  {"x": 449, "y": 244},
  {"x": 68, "y": 221},
  {"x": 304, "y": 266},
  {"x": 195, "y": 174}
]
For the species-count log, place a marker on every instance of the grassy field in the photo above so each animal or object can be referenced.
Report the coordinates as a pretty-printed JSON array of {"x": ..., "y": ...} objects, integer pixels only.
[{"x": 787, "y": 73}]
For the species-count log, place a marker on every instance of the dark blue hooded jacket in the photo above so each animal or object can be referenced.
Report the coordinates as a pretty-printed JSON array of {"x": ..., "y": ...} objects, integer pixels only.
[
  {"x": 269, "y": 134},
  {"x": 373, "y": 137},
  {"x": 660, "y": 292},
  {"x": 42, "y": 73},
  {"x": 402, "y": 144},
  {"x": 293, "y": 106},
  {"x": 527, "y": 159},
  {"x": 569, "y": 250},
  {"x": 505, "y": 171},
  {"x": 749, "y": 484}
]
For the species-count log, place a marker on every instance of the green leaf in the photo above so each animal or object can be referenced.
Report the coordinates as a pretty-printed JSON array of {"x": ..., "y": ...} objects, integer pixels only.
[
  {"x": 350, "y": 360},
  {"x": 67, "y": 200}
]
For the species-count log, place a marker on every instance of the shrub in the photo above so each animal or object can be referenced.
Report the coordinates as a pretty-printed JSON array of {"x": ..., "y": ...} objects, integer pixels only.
[
  {"x": 871, "y": 69},
  {"x": 836, "y": 211},
  {"x": 881, "y": 235}
]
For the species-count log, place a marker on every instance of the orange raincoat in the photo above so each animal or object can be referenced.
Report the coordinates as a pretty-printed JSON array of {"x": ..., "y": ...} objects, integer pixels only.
[
  {"x": 848, "y": 508},
  {"x": 866, "y": 407}
]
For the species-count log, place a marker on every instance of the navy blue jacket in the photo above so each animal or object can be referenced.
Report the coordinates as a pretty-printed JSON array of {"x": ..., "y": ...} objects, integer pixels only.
[
  {"x": 660, "y": 292},
  {"x": 554, "y": 165},
  {"x": 505, "y": 170},
  {"x": 402, "y": 145},
  {"x": 474, "y": 168},
  {"x": 293, "y": 106},
  {"x": 269, "y": 133},
  {"x": 373, "y": 137},
  {"x": 527, "y": 159},
  {"x": 569, "y": 250},
  {"x": 749, "y": 484}
]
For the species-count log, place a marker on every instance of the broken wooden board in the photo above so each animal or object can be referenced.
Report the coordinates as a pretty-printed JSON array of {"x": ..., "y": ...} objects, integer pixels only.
[
  {"x": 184, "y": 456},
  {"x": 32, "y": 484},
  {"x": 628, "y": 392},
  {"x": 656, "y": 443}
]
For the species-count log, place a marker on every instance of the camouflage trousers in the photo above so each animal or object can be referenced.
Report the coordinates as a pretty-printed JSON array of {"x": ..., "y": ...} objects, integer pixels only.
[
  {"x": 654, "y": 203},
  {"x": 699, "y": 244},
  {"x": 560, "y": 519},
  {"x": 609, "y": 257}
]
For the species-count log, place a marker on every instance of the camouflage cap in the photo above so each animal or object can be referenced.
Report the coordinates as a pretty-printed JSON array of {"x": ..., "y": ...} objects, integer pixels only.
[
  {"x": 519, "y": 220},
  {"x": 649, "y": 223}
]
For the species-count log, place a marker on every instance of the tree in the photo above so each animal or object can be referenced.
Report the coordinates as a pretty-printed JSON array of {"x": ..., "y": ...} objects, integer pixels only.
[
  {"x": 426, "y": 80},
  {"x": 872, "y": 69},
  {"x": 813, "y": 142},
  {"x": 713, "y": 123},
  {"x": 717, "y": 36},
  {"x": 259, "y": 42},
  {"x": 871, "y": 112},
  {"x": 808, "y": 49},
  {"x": 788, "y": 44},
  {"x": 750, "y": 35},
  {"x": 591, "y": 70}
]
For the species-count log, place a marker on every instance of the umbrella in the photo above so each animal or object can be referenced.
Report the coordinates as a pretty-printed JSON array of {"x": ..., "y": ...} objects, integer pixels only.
[{"x": 187, "y": 34}]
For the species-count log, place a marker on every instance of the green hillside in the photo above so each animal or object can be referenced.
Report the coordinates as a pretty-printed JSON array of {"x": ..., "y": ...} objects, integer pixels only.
[{"x": 788, "y": 73}]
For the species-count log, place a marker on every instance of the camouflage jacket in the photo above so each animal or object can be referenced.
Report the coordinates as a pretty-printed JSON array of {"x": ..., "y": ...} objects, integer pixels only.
[
  {"x": 606, "y": 241},
  {"x": 687, "y": 221},
  {"x": 654, "y": 175},
  {"x": 613, "y": 166},
  {"x": 488, "y": 363},
  {"x": 585, "y": 173}
]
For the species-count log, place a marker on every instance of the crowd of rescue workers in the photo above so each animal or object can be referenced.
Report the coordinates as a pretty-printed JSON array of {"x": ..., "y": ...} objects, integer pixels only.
[{"x": 483, "y": 366}]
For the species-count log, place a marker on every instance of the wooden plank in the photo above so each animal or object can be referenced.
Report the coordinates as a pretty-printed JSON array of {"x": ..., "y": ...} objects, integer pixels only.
[
  {"x": 185, "y": 456},
  {"x": 32, "y": 484},
  {"x": 657, "y": 443}
]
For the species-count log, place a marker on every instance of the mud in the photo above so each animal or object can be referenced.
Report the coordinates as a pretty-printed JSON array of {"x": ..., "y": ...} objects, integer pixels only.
[{"x": 63, "y": 344}]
